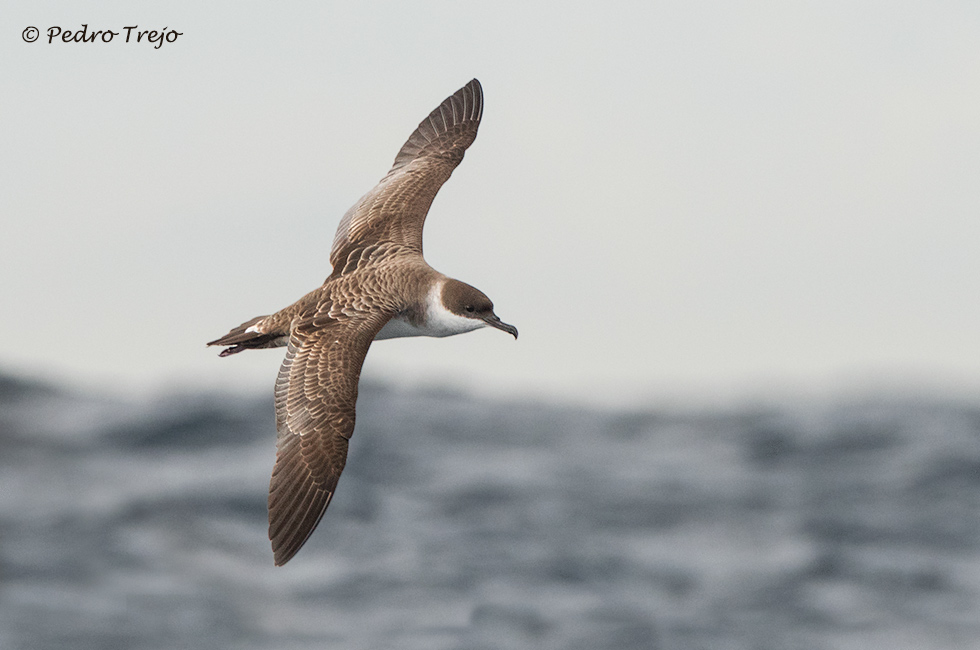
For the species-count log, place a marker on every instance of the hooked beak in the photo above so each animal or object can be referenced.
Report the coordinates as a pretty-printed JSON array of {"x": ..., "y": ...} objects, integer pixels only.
[{"x": 493, "y": 321}]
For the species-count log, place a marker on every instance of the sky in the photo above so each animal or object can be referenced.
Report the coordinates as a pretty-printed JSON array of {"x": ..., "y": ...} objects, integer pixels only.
[{"x": 667, "y": 199}]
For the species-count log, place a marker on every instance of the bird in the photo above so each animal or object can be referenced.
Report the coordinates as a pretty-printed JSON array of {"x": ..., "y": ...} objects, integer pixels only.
[{"x": 380, "y": 287}]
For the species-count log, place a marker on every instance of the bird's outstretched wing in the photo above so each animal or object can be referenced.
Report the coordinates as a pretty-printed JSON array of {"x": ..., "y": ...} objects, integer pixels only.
[
  {"x": 394, "y": 211},
  {"x": 316, "y": 393}
]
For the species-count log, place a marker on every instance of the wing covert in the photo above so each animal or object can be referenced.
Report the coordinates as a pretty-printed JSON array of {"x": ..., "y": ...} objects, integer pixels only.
[
  {"x": 316, "y": 394},
  {"x": 394, "y": 210}
]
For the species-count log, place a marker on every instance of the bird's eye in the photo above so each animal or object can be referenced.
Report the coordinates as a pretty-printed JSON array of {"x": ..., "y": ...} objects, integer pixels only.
[{"x": 470, "y": 308}]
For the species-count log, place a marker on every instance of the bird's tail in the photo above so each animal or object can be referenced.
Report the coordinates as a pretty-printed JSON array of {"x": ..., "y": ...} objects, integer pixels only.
[{"x": 248, "y": 336}]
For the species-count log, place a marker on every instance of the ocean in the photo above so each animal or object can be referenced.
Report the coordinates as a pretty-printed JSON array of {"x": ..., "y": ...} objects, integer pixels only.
[{"x": 469, "y": 523}]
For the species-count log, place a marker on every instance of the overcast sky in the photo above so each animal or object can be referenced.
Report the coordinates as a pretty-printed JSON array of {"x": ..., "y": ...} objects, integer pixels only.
[{"x": 663, "y": 197}]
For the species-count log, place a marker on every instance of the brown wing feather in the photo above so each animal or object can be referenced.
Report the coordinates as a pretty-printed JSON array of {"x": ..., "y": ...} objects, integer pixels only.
[
  {"x": 316, "y": 393},
  {"x": 394, "y": 211}
]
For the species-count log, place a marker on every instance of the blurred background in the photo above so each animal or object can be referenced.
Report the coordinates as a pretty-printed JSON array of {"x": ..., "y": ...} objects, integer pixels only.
[{"x": 739, "y": 241}]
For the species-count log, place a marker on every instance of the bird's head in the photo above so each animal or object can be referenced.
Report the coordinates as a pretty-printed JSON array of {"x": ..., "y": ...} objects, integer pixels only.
[{"x": 469, "y": 302}]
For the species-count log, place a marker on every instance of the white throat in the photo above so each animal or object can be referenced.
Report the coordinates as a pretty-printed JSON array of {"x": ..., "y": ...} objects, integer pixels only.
[
  {"x": 442, "y": 322},
  {"x": 439, "y": 321}
]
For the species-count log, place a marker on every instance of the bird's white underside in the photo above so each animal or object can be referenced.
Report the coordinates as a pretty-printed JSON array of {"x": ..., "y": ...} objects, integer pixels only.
[{"x": 440, "y": 322}]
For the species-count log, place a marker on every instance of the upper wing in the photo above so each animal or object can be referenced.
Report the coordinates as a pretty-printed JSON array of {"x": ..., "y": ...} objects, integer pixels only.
[
  {"x": 395, "y": 209},
  {"x": 316, "y": 392}
]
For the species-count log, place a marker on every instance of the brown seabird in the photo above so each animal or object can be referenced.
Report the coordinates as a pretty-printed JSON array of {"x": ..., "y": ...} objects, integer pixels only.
[{"x": 380, "y": 287}]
